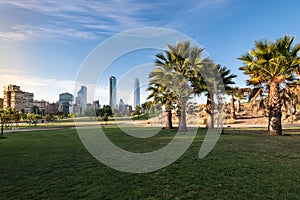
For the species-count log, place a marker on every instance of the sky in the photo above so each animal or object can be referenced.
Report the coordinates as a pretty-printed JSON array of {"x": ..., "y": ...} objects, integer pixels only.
[{"x": 44, "y": 44}]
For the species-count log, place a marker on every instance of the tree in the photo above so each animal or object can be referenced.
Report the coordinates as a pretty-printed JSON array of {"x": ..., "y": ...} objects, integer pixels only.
[
  {"x": 146, "y": 106},
  {"x": 33, "y": 118},
  {"x": 162, "y": 95},
  {"x": 174, "y": 70},
  {"x": 233, "y": 93},
  {"x": 211, "y": 79},
  {"x": 138, "y": 110},
  {"x": 104, "y": 112},
  {"x": 50, "y": 117},
  {"x": 17, "y": 116},
  {"x": 4, "y": 118},
  {"x": 272, "y": 65},
  {"x": 241, "y": 96},
  {"x": 71, "y": 115}
]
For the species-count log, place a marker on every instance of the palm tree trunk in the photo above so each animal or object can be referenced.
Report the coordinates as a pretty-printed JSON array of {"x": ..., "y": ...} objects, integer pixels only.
[
  {"x": 275, "y": 105},
  {"x": 209, "y": 113},
  {"x": 233, "y": 116},
  {"x": 182, "y": 120},
  {"x": 168, "y": 119},
  {"x": 239, "y": 105}
]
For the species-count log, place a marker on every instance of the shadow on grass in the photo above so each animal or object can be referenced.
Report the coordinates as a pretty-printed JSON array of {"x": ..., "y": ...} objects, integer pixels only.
[{"x": 261, "y": 131}]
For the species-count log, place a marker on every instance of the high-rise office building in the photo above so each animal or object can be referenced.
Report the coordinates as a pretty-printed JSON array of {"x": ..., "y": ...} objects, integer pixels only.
[
  {"x": 121, "y": 106},
  {"x": 136, "y": 92},
  {"x": 17, "y": 99},
  {"x": 96, "y": 104},
  {"x": 112, "y": 91},
  {"x": 65, "y": 103},
  {"x": 81, "y": 100}
]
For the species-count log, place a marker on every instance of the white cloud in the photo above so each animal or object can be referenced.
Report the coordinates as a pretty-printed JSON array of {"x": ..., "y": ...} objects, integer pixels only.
[
  {"x": 89, "y": 19},
  {"x": 26, "y": 33},
  {"x": 13, "y": 36},
  {"x": 46, "y": 89},
  {"x": 204, "y": 4},
  {"x": 77, "y": 19}
]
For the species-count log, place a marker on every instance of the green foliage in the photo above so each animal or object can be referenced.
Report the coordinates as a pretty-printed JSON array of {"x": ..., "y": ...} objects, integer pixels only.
[
  {"x": 172, "y": 81},
  {"x": 271, "y": 67},
  {"x": 138, "y": 110},
  {"x": 105, "y": 111},
  {"x": 271, "y": 61},
  {"x": 51, "y": 117},
  {"x": 70, "y": 115}
]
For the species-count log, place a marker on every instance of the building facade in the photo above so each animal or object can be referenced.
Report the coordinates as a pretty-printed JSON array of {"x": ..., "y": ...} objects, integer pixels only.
[
  {"x": 65, "y": 103},
  {"x": 81, "y": 101},
  {"x": 121, "y": 106},
  {"x": 96, "y": 104},
  {"x": 136, "y": 92},
  {"x": 53, "y": 108},
  {"x": 40, "y": 107},
  {"x": 112, "y": 92},
  {"x": 17, "y": 99}
]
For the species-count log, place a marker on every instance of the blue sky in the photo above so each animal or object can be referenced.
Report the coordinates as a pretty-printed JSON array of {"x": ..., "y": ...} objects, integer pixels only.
[{"x": 43, "y": 43}]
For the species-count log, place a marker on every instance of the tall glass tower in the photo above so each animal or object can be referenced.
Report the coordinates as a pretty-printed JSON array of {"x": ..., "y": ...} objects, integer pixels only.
[
  {"x": 112, "y": 91},
  {"x": 81, "y": 99},
  {"x": 136, "y": 92}
]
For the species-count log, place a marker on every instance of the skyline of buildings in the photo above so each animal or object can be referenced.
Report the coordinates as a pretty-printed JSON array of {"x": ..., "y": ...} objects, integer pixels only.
[{"x": 23, "y": 101}]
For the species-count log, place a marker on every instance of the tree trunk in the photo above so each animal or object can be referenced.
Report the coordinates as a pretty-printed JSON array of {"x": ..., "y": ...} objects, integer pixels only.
[
  {"x": 209, "y": 113},
  {"x": 168, "y": 119},
  {"x": 233, "y": 116},
  {"x": 239, "y": 106},
  {"x": 182, "y": 121},
  {"x": 2, "y": 131},
  {"x": 275, "y": 105}
]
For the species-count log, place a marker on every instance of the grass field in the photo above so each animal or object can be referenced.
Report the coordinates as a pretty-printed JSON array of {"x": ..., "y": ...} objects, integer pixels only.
[{"x": 244, "y": 164}]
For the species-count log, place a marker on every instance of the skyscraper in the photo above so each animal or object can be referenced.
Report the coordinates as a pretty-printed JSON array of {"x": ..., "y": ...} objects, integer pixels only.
[
  {"x": 136, "y": 90},
  {"x": 112, "y": 91},
  {"x": 121, "y": 106},
  {"x": 81, "y": 99},
  {"x": 65, "y": 103}
]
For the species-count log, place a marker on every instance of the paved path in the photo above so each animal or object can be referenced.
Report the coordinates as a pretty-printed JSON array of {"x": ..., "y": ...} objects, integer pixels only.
[{"x": 140, "y": 123}]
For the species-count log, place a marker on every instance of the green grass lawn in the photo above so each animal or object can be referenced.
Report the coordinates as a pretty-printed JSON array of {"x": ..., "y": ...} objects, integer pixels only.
[{"x": 244, "y": 164}]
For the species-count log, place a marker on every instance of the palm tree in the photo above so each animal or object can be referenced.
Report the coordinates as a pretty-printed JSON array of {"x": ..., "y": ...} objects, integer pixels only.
[
  {"x": 272, "y": 64},
  {"x": 162, "y": 95},
  {"x": 174, "y": 71},
  {"x": 210, "y": 82},
  {"x": 241, "y": 96},
  {"x": 233, "y": 93}
]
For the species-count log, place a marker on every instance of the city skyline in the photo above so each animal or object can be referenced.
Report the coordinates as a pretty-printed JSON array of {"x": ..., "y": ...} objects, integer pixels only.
[{"x": 43, "y": 44}]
